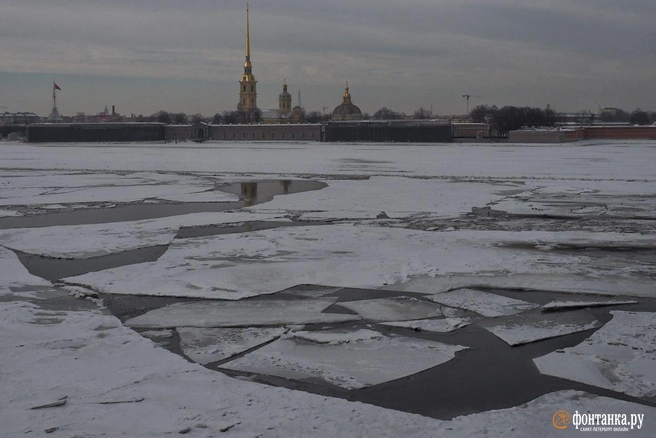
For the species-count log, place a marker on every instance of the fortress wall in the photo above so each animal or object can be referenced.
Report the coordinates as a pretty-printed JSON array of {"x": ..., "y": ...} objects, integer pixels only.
[{"x": 262, "y": 132}]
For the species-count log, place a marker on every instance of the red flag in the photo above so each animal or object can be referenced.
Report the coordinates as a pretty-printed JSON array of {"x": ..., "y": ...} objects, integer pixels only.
[{"x": 57, "y": 87}]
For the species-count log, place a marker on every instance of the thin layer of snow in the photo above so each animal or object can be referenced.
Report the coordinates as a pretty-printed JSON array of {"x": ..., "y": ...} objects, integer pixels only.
[
  {"x": 335, "y": 337},
  {"x": 444, "y": 325},
  {"x": 483, "y": 303},
  {"x": 620, "y": 356},
  {"x": 348, "y": 360},
  {"x": 403, "y": 197},
  {"x": 76, "y": 187},
  {"x": 240, "y": 314},
  {"x": 236, "y": 266},
  {"x": 532, "y": 327},
  {"x": 84, "y": 241},
  {"x": 393, "y": 309},
  {"x": 314, "y": 292},
  {"x": 569, "y": 305},
  {"x": 7, "y": 213},
  {"x": 566, "y": 283},
  {"x": 585, "y": 198},
  {"x": 609, "y": 160},
  {"x": 207, "y": 345}
]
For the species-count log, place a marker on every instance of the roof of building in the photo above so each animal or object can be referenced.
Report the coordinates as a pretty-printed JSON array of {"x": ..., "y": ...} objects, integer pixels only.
[{"x": 346, "y": 107}]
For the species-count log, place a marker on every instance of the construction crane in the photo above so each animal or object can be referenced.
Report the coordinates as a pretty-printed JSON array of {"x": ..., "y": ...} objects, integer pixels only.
[{"x": 467, "y": 96}]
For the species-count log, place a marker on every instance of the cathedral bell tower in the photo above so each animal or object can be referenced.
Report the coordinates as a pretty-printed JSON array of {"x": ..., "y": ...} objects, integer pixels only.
[
  {"x": 247, "y": 83},
  {"x": 284, "y": 101}
]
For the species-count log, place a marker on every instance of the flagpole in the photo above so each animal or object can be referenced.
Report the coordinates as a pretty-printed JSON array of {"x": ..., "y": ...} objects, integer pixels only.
[{"x": 54, "y": 95}]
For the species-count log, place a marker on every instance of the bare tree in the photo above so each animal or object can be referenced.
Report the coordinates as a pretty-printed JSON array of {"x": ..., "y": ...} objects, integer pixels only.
[
  {"x": 387, "y": 114},
  {"x": 422, "y": 113}
]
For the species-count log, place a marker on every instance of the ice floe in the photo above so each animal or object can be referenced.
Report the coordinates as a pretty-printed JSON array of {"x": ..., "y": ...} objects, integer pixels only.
[
  {"x": 240, "y": 314},
  {"x": 611, "y": 285},
  {"x": 442, "y": 325},
  {"x": 393, "y": 309},
  {"x": 536, "y": 326},
  {"x": 403, "y": 197},
  {"x": 620, "y": 356},
  {"x": 341, "y": 358},
  {"x": 236, "y": 266},
  {"x": 207, "y": 345},
  {"x": 84, "y": 241},
  {"x": 76, "y": 187},
  {"x": 14, "y": 275},
  {"x": 570, "y": 305},
  {"x": 483, "y": 303}
]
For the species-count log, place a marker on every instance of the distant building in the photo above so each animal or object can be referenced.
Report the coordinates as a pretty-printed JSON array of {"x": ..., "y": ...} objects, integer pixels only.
[
  {"x": 7, "y": 118},
  {"x": 346, "y": 110},
  {"x": 286, "y": 113}
]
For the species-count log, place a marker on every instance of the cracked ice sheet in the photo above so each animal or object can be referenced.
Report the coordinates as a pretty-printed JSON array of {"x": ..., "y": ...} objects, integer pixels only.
[
  {"x": 242, "y": 265},
  {"x": 84, "y": 241},
  {"x": 207, "y": 345},
  {"x": 536, "y": 326},
  {"x": 240, "y": 314},
  {"x": 393, "y": 309},
  {"x": 576, "y": 198},
  {"x": 483, "y": 303},
  {"x": 351, "y": 360},
  {"x": 75, "y": 187},
  {"x": 432, "y": 325},
  {"x": 620, "y": 356},
  {"x": 178, "y": 395},
  {"x": 403, "y": 197}
]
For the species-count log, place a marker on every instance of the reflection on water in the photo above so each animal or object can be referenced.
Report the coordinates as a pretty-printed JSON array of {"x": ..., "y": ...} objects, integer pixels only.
[{"x": 262, "y": 191}]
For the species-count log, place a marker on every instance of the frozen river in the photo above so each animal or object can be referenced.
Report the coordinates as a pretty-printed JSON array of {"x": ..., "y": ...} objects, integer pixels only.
[{"x": 247, "y": 286}]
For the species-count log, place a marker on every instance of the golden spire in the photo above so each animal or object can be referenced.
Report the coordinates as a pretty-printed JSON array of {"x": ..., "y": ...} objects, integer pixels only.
[
  {"x": 248, "y": 34},
  {"x": 347, "y": 96}
]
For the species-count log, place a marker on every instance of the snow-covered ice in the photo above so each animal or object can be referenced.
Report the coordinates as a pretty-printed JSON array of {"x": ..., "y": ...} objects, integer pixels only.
[
  {"x": 14, "y": 275},
  {"x": 611, "y": 285},
  {"x": 535, "y": 326},
  {"x": 361, "y": 359},
  {"x": 620, "y": 356},
  {"x": 483, "y": 303},
  {"x": 59, "y": 187},
  {"x": 240, "y": 314},
  {"x": 84, "y": 241},
  {"x": 569, "y": 305},
  {"x": 442, "y": 325},
  {"x": 403, "y": 197},
  {"x": 393, "y": 309},
  {"x": 236, "y": 266},
  {"x": 207, "y": 345},
  {"x": 89, "y": 357}
]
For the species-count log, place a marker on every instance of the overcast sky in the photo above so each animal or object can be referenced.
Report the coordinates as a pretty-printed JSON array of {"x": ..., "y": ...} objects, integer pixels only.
[{"x": 187, "y": 55}]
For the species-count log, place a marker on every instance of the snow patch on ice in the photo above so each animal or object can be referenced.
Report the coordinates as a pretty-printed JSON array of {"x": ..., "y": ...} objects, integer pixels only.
[
  {"x": 432, "y": 325},
  {"x": 240, "y": 314},
  {"x": 393, "y": 309},
  {"x": 207, "y": 345},
  {"x": 348, "y": 360},
  {"x": 532, "y": 327},
  {"x": 569, "y": 305},
  {"x": 483, "y": 303}
]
